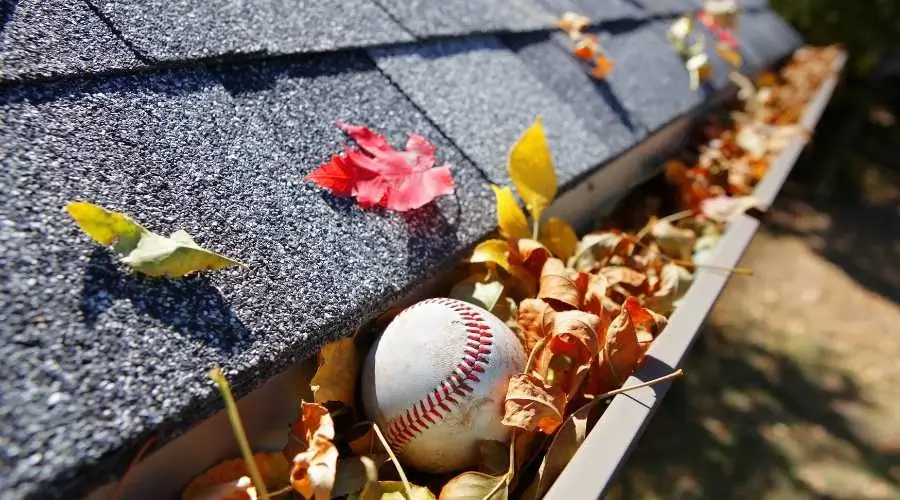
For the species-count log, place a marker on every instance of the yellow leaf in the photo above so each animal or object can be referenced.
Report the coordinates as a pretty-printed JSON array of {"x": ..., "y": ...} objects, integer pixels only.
[
  {"x": 106, "y": 227},
  {"x": 475, "y": 485},
  {"x": 559, "y": 237},
  {"x": 335, "y": 379},
  {"x": 222, "y": 480},
  {"x": 730, "y": 55},
  {"x": 510, "y": 217},
  {"x": 143, "y": 250},
  {"x": 532, "y": 171},
  {"x": 497, "y": 252}
]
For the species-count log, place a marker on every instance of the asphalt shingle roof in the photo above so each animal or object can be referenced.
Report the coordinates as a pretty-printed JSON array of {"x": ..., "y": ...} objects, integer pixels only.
[{"x": 205, "y": 116}]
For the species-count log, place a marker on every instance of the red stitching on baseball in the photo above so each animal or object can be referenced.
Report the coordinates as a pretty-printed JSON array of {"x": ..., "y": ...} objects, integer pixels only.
[{"x": 434, "y": 406}]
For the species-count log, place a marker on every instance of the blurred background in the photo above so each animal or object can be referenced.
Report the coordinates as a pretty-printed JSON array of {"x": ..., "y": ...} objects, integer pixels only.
[{"x": 793, "y": 390}]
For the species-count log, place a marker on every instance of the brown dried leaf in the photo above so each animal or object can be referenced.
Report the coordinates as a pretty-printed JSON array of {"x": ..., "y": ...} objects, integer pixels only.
[
  {"x": 646, "y": 322},
  {"x": 573, "y": 346},
  {"x": 619, "y": 356},
  {"x": 314, "y": 468},
  {"x": 535, "y": 320},
  {"x": 673, "y": 283},
  {"x": 596, "y": 249},
  {"x": 633, "y": 280},
  {"x": 562, "y": 288},
  {"x": 674, "y": 241},
  {"x": 597, "y": 301},
  {"x": 529, "y": 254},
  {"x": 531, "y": 404},
  {"x": 335, "y": 379},
  {"x": 230, "y": 479}
]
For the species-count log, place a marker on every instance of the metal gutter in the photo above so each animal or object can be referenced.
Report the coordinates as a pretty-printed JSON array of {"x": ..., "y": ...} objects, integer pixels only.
[{"x": 606, "y": 448}]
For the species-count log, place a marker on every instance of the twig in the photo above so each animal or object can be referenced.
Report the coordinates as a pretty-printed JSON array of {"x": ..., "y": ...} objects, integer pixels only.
[
  {"x": 677, "y": 373},
  {"x": 231, "y": 408},
  {"x": 669, "y": 218},
  {"x": 397, "y": 466}
]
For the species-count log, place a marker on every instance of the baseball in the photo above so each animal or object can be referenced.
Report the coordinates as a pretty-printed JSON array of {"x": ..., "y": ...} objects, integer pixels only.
[{"x": 435, "y": 382}]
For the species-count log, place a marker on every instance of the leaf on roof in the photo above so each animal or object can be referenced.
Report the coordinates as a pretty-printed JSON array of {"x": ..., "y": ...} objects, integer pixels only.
[
  {"x": 378, "y": 175},
  {"x": 532, "y": 170},
  {"x": 145, "y": 251}
]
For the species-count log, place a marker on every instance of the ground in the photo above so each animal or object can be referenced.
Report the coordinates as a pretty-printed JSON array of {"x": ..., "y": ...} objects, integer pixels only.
[{"x": 792, "y": 391}]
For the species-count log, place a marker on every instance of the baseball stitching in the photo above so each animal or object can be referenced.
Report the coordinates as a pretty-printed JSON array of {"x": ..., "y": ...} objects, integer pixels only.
[{"x": 434, "y": 406}]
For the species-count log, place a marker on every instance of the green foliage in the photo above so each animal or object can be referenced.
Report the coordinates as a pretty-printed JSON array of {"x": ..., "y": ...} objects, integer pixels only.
[{"x": 867, "y": 28}]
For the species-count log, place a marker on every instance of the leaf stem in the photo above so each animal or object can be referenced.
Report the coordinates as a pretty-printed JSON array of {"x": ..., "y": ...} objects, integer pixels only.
[
  {"x": 531, "y": 357},
  {"x": 282, "y": 491},
  {"x": 234, "y": 417},
  {"x": 535, "y": 232},
  {"x": 669, "y": 218},
  {"x": 397, "y": 466},
  {"x": 677, "y": 373}
]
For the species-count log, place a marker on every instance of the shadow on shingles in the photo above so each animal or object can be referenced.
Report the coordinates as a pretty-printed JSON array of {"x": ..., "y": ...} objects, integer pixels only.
[
  {"x": 432, "y": 237},
  {"x": 715, "y": 434},
  {"x": 612, "y": 100},
  {"x": 248, "y": 78},
  {"x": 191, "y": 306},
  {"x": 7, "y": 10}
]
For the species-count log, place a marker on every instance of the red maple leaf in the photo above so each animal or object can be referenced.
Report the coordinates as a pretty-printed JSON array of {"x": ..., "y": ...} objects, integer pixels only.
[{"x": 378, "y": 175}]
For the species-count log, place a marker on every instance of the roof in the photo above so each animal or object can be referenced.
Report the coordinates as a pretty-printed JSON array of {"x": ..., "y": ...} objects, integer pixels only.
[{"x": 205, "y": 116}]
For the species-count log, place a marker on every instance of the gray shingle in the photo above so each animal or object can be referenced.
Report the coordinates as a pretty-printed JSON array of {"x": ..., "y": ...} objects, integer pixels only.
[
  {"x": 649, "y": 78},
  {"x": 670, "y": 7},
  {"x": 483, "y": 97},
  {"x": 96, "y": 358},
  {"x": 40, "y": 39},
  {"x": 181, "y": 29},
  {"x": 597, "y": 11},
  {"x": 592, "y": 100},
  {"x": 768, "y": 37},
  {"x": 457, "y": 17}
]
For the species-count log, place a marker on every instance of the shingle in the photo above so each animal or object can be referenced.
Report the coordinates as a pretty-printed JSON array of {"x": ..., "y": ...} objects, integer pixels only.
[
  {"x": 649, "y": 78},
  {"x": 181, "y": 29},
  {"x": 669, "y": 7},
  {"x": 592, "y": 100},
  {"x": 483, "y": 97},
  {"x": 40, "y": 39},
  {"x": 96, "y": 358},
  {"x": 598, "y": 11},
  {"x": 767, "y": 36},
  {"x": 463, "y": 17}
]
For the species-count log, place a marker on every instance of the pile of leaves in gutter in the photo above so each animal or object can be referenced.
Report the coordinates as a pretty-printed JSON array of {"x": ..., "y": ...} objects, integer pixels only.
[{"x": 586, "y": 309}]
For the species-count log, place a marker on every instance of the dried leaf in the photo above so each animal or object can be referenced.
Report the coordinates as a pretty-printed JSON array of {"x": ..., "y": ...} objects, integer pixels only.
[
  {"x": 559, "y": 237},
  {"x": 224, "y": 480},
  {"x": 528, "y": 254},
  {"x": 335, "y": 378},
  {"x": 729, "y": 54},
  {"x": 535, "y": 320},
  {"x": 596, "y": 249},
  {"x": 143, "y": 250},
  {"x": 598, "y": 302},
  {"x": 614, "y": 275},
  {"x": 674, "y": 241},
  {"x": 726, "y": 208},
  {"x": 378, "y": 175},
  {"x": 573, "y": 346},
  {"x": 314, "y": 469},
  {"x": 563, "y": 288},
  {"x": 532, "y": 171},
  {"x": 497, "y": 252},
  {"x": 700, "y": 70},
  {"x": 566, "y": 441},
  {"x": 645, "y": 321},
  {"x": 394, "y": 490},
  {"x": 484, "y": 294},
  {"x": 674, "y": 282},
  {"x": 510, "y": 218},
  {"x": 494, "y": 457},
  {"x": 573, "y": 23},
  {"x": 603, "y": 66},
  {"x": 531, "y": 404},
  {"x": 475, "y": 485},
  {"x": 619, "y": 356}
]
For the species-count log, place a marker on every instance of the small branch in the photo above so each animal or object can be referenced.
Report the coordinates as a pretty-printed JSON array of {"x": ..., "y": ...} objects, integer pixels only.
[
  {"x": 677, "y": 373},
  {"x": 397, "y": 466},
  {"x": 531, "y": 357},
  {"x": 219, "y": 378}
]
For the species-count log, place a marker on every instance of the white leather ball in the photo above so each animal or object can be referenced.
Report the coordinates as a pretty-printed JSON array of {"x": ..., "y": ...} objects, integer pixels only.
[{"x": 435, "y": 382}]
